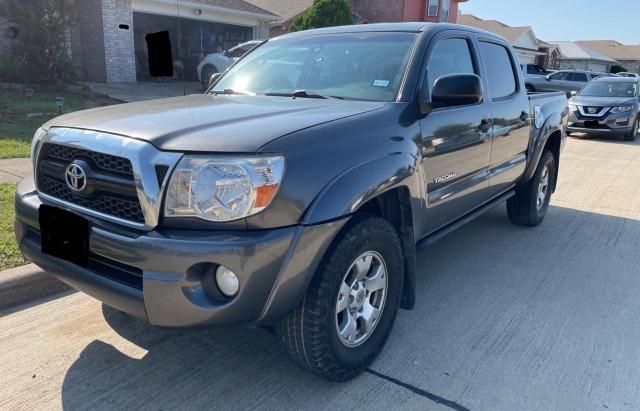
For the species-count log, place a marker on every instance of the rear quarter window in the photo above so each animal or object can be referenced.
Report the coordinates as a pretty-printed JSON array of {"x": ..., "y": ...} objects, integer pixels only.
[{"x": 500, "y": 74}]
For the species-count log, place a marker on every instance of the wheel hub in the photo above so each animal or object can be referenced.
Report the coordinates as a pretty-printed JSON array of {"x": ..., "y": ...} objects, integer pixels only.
[{"x": 361, "y": 299}]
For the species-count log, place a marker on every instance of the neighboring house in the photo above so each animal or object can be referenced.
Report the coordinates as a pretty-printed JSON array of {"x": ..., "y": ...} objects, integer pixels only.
[
  {"x": 573, "y": 56},
  {"x": 378, "y": 11},
  {"x": 287, "y": 10},
  {"x": 107, "y": 42},
  {"x": 523, "y": 39},
  {"x": 627, "y": 56}
]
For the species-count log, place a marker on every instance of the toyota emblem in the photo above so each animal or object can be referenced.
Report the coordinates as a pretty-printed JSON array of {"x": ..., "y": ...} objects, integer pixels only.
[{"x": 76, "y": 177}]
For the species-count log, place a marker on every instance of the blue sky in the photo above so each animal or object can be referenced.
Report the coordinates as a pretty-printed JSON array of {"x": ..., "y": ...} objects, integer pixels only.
[{"x": 553, "y": 20}]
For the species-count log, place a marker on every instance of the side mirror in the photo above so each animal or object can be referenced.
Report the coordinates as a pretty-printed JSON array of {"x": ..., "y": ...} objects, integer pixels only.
[
  {"x": 574, "y": 93},
  {"x": 453, "y": 90},
  {"x": 548, "y": 77},
  {"x": 214, "y": 78}
]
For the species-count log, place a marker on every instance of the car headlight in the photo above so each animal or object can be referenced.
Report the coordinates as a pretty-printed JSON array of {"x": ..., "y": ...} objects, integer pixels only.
[
  {"x": 622, "y": 109},
  {"x": 223, "y": 188},
  {"x": 572, "y": 107},
  {"x": 35, "y": 142}
]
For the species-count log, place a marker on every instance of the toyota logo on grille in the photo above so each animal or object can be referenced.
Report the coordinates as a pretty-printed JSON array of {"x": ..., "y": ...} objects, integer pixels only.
[{"x": 76, "y": 177}]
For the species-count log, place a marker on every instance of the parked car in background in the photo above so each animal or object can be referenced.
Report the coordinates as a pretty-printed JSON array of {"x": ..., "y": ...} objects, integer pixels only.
[
  {"x": 606, "y": 106},
  {"x": 218, "y": 62},
  {"x": 294, "y": 201},
  {"x": 563, "y": 80},
  {"x": 534, "y": 70},
  {"x": 627, "y": 74}
]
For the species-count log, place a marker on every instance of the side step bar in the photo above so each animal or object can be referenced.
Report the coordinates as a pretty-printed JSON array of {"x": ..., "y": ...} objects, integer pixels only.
[{"x": 436, "y": 235}]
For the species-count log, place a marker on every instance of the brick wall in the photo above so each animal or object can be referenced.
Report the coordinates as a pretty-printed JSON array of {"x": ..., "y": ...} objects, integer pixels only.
[
  {"x": 90, "y": 47},
  {"x": 378, "y": 11},
  {"x": 632, "y": 66},
  {"x": 119, "y": 50}
]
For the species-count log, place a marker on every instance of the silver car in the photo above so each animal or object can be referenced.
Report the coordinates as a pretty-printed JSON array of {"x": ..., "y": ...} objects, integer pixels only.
[{"x": 564, "y": 80}]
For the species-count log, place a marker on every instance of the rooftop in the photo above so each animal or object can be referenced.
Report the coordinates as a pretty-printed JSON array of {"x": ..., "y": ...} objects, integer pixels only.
[
  {"x": 240, "y": 5},
  {"x": 574, "y": 51},
  {"x": 613, "y": 49}
]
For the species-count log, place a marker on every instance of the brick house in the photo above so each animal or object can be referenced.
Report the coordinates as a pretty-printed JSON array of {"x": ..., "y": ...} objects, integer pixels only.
[
  {"x": 378, "y": 11},
  {"x": 627, "y": 56},
  {"x": 107, "y": 43},
  {"x": 574, "y": 56}
]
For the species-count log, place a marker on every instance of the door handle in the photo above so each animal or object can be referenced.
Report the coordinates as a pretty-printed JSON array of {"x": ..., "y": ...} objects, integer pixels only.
[
  {"x": 524, "y": 116},
  {"x": 485, "y": 126}
]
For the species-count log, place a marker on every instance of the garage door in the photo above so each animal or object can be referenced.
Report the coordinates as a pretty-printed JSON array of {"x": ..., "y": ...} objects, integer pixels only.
[
  {"x": 526, "y": 59},
  {"x": 598, "y": 67}
]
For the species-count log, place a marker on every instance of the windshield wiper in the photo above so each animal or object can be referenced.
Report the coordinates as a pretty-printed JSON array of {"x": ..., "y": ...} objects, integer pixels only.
[
  {"x": 230, "y": 91},
  {"x": 303, "y": 94}
]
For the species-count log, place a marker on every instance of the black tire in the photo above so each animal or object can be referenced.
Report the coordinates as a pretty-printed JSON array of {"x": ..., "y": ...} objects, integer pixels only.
[
  {"x": 524, "y": 209},
  {"x": 207, "y": 72},
  {"x": 309, "y": 334},
  {"x": 631, "y": 136}
]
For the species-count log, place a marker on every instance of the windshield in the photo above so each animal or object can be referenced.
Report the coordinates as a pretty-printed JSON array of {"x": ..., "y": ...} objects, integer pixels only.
[
  {"x": 612, "y": 89},
  {"x": 357, "y": 66}
]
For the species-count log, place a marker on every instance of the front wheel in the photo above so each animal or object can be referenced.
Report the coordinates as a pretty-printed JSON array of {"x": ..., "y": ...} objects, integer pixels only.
[
  {"x": 351, "y": 303},
  {"x": 633, "y": 134},
  {"x": 205, "y": 77},
  {"x": 530, "y": 204}
]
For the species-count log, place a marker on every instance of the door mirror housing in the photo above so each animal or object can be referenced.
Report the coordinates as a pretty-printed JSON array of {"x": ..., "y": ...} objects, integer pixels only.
[
  {"x": 548, "y": 77},
  {"x": 574, "y": 93},
  {"x": 214, "y": 78},
  {"x": 453, "y": 90}
]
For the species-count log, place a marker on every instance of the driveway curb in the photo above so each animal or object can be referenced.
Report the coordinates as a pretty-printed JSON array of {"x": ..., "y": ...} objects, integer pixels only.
[{"x": 24, "y": 284}]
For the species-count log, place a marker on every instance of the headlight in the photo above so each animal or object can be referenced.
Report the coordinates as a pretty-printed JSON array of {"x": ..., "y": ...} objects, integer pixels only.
[
  {"x": 35, "y": 142},
  {"x": 223, "y": 188},
  {"x": 622, "y": 109},
  {"x": 572, "y": 107}
]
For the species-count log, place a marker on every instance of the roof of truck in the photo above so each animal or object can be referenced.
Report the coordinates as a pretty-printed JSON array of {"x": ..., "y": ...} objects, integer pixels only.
[{"x": 415, "y": 27}]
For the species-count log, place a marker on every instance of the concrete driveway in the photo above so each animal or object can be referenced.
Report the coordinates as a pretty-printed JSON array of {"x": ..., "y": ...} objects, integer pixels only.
[{"x": 508, "y": 318}]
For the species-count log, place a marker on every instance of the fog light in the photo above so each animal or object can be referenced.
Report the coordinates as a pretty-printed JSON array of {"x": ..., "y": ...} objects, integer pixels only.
[{"x": 227, "y": 281}]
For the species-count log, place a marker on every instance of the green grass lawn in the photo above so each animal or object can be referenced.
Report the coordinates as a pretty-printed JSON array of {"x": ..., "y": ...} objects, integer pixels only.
[
  {"x": 10, "y": 255},
  {"x": 16, "y": 128}
]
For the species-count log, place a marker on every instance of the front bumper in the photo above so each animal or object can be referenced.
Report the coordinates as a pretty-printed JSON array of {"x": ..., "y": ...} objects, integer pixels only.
[
  {"x": 610, "y": 124},
  {"x": 166, "y": 277}
]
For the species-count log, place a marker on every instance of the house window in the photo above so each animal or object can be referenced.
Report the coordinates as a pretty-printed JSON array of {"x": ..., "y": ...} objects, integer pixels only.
[
  {"x": 444, "y": 16},
  {"x": 433, "y": 8}
]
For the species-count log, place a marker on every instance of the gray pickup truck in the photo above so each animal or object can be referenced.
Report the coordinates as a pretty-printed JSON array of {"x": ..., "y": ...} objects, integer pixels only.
[{"x": 295, "y": 192}]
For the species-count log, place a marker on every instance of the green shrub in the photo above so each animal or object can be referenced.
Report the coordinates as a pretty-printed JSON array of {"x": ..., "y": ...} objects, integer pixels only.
[{"x": 323, "y": 13}]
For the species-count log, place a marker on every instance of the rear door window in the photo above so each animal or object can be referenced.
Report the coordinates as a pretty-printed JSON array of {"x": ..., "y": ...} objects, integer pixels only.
[
  {"x": 559, "y": 76},
  {"x": 500, "y": 70},
  {"x": 581, "y": 77}
]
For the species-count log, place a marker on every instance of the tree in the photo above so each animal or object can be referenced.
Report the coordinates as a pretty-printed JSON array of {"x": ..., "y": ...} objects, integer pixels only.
[
  {"x": 41, "y": 49},
  {"x": 323, "y": 13},
  {"x": 617, "y": 68}
]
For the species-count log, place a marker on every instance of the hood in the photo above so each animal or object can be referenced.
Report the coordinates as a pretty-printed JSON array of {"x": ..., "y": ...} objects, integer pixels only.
[
  {"x": 602, "y": 101},
  {"x": 209, "y": 123}
]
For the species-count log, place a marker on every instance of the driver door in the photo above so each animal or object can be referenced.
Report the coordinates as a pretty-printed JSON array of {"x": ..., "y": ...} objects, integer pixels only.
[{"x": 456, "y": 141}]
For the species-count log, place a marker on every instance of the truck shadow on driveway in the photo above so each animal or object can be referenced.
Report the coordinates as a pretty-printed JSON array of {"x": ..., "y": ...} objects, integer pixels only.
[{"x": 506, "y": 318}]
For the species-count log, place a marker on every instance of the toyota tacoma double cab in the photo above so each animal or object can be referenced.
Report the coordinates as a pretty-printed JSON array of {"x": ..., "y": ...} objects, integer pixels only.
[{"x": 294, "y": 193}]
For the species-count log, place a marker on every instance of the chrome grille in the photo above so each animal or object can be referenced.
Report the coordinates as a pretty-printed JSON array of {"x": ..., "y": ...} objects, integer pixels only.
[{"x": 110, "y": 186}]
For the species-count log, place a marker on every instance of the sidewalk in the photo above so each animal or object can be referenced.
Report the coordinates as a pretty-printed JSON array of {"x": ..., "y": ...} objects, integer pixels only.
[{"x": 14, "y": 170}]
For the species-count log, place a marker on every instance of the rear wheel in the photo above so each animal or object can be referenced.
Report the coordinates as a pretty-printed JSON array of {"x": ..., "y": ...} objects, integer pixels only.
[
  {"x": 351, "y": 303},
  {"x": 633, "y": 134},
  {"x": 530, "y": 204}
]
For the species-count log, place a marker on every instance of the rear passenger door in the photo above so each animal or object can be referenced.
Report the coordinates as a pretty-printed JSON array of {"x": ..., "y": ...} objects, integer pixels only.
[
  {"x": 456, "y": 141},
  {"x": 509, "y": 114},
  {"x": 557, "y": 82},
  {"x": 576, "y": 80}
]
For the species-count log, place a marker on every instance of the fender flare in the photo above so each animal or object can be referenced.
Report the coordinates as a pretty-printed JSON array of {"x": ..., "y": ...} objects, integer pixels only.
[
  {"x": 551, "y": 125},
  {"x": 345, "y": 194}
]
